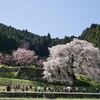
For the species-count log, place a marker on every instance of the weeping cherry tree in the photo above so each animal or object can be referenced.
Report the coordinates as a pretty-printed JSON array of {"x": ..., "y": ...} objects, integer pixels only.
[{"x": 76, "y": 57}]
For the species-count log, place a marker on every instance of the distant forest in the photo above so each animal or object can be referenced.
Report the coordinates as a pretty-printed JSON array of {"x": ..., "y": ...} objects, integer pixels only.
[
  {"x": 11, "y": 39},
  {"x": 92, "y": 35}
]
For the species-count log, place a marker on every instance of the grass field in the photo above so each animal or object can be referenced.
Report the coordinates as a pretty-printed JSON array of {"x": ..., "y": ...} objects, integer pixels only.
[{"x": 43, "y": 99}]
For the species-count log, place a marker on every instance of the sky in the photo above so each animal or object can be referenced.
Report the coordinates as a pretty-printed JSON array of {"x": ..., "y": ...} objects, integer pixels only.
[{"x": 58, "y": 17}]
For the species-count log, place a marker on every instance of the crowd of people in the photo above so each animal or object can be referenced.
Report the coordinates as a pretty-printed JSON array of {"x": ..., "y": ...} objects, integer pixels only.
[
  {"x": 16, "y": 88},
  {"x": 30, "y": 88}
]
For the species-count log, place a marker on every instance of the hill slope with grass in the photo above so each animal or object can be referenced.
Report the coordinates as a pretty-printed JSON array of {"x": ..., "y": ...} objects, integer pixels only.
[{"x": 34, "y": 75}]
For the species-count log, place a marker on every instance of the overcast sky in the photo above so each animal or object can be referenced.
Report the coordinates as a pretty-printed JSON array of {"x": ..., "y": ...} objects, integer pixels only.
[{"x": 57, "y": 17}]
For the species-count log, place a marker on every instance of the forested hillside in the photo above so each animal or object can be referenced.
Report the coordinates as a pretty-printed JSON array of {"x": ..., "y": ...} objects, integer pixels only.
[
  {"x": 11, "y": 39},
  {"x": 92, "y": 35}
]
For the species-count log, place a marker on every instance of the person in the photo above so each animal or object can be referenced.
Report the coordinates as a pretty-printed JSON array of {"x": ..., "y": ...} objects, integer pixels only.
[
  {"x": 3, "y": 88},
  {"x": 49, "y": 89},
  {"x": 30, "y": 87},
  {"x": 64, "y": 89},
  {"x": 42, "y": 88},
  {"x": 35, "y": 88},
  {"x": 22, "y": 88},
  {"x": 8, "y": 88},
  {"x": 76, "y": 89},
  {"x": 56, "y": 89},
  {"x": 69, "y": 89},
  {"x": 15, "y": 88},
  {"x": 84, "y": 90},
  {"x": 26, "y": 88},
  {"x": 97, "y": 90},
  {"x": 18, "y": 86},
  {"x": 39, "y": 88},
  {"x": 45, "y": 88}
]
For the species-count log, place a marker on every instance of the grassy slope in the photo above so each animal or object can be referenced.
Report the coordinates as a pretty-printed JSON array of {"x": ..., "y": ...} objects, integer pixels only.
[
  {"x": 85, "y": 79},
  {"x": 6, "y": 81}
]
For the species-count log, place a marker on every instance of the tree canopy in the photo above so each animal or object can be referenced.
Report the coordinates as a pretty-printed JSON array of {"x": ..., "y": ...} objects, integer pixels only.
[
  {"x": 76, "y": 57},
  {"x": 92, "y": 35},
  {"x": 21, "y": 57}
]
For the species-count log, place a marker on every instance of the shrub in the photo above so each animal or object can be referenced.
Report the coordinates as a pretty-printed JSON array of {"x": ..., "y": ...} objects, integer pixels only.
[
  {"x": 7, "y": 74},
  {"x": 30, "y": 73}
]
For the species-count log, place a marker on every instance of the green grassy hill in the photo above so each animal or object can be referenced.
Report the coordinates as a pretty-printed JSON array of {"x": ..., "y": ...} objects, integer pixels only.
[{"x": 33, "y": 76}]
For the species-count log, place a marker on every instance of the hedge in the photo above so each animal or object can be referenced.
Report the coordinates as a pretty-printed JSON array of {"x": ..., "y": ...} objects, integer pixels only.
[
  {"x": 12, "y": 69},
  {"x": 49, "y": 95},
  {"x": 30, "y": 73}
]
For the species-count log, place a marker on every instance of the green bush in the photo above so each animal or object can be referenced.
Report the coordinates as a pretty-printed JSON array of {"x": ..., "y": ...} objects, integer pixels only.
[
  {"x": 7, "y": 74},
  {"x": 30, "y": 73},
  {"x": 49, "y": 95},
  {"x": 12, "y": 69},
  {"x": 81, "y": 83}
]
